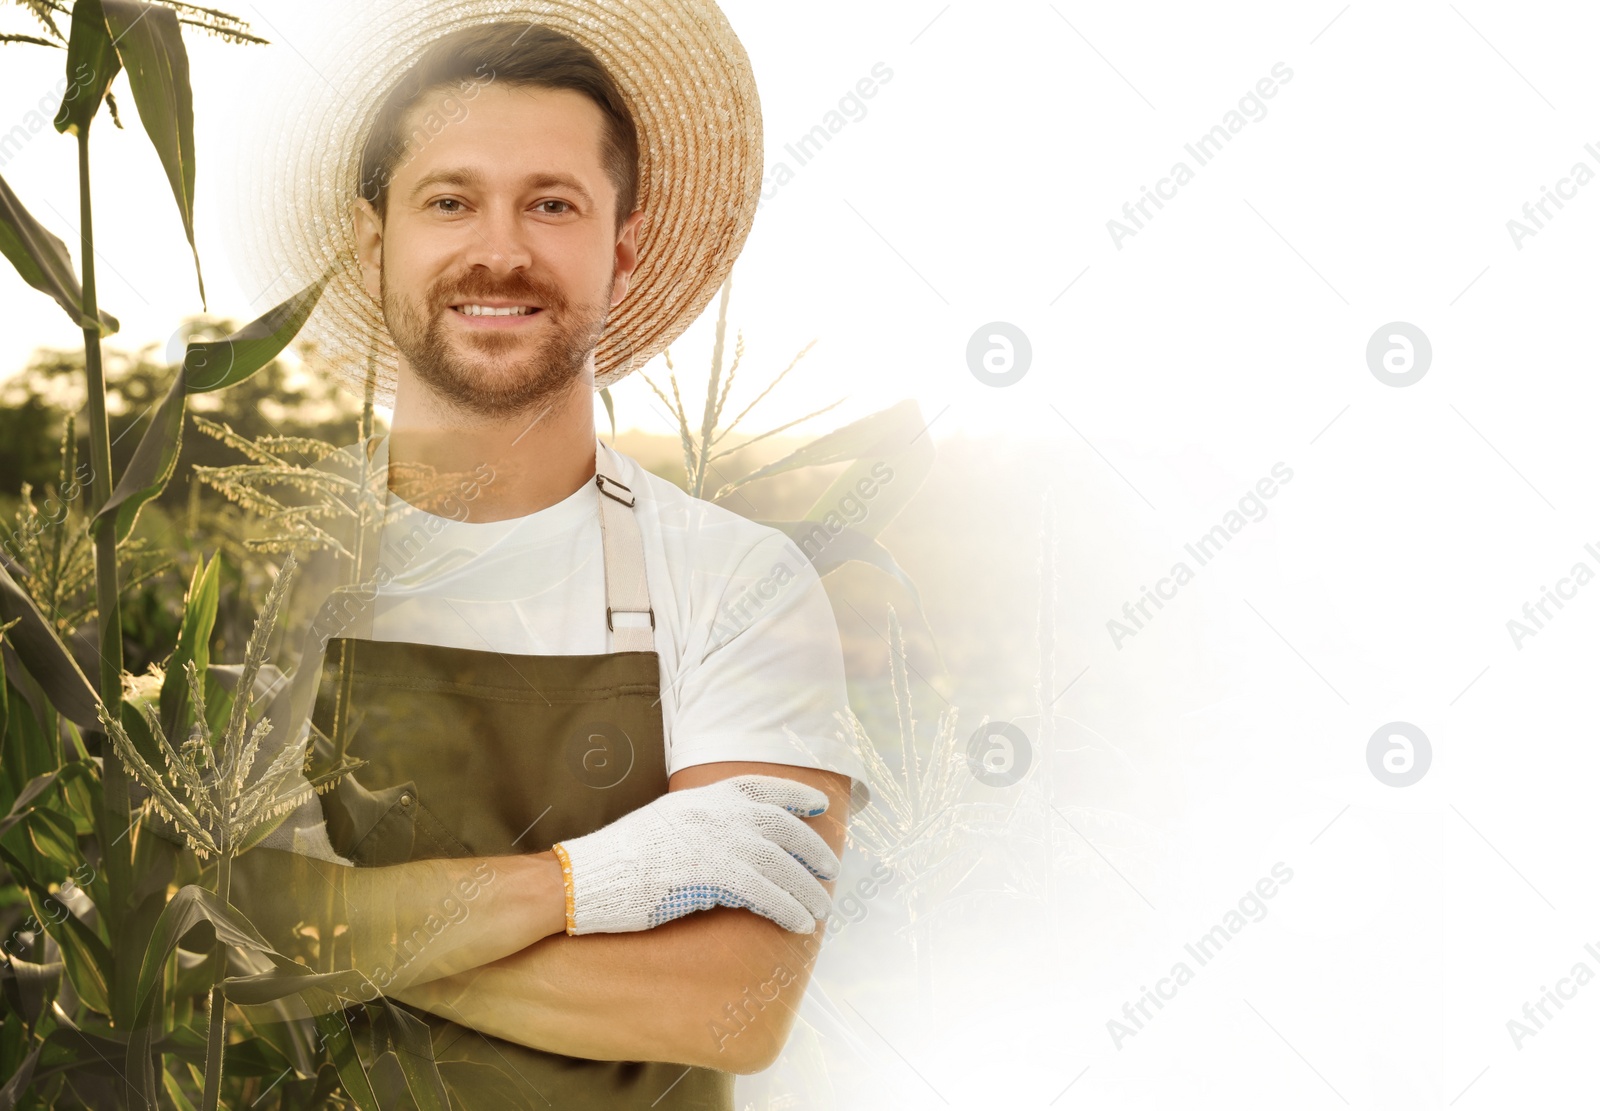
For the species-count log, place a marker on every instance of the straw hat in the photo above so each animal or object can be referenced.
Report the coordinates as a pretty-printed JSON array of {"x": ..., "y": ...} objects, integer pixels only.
[{"x": 680, "y": 68}]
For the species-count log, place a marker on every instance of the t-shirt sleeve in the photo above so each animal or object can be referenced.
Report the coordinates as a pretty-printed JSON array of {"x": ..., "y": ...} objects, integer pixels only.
[{"x": 769, "y": 683}]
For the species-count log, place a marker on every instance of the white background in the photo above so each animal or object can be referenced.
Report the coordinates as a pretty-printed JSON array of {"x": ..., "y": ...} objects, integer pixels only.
[{"x": 1227, "y": 335}]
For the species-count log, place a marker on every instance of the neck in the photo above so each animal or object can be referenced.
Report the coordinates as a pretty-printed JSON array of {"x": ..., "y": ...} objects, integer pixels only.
[{"x": 497, "y": 467}]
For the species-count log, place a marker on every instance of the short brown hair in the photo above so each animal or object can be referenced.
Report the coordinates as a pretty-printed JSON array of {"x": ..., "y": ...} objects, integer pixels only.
[{"x": 521, "y": 55}]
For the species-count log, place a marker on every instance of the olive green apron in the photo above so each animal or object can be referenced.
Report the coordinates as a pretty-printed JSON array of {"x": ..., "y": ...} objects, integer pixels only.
[{"x": 482, "y": 753}]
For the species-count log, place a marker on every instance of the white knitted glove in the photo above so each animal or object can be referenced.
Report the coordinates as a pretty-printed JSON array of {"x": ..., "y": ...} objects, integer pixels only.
[{"x": 733, "y": 843}]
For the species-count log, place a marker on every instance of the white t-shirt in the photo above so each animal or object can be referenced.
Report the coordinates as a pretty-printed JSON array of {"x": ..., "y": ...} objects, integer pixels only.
[{"x": 751, "y": 665}]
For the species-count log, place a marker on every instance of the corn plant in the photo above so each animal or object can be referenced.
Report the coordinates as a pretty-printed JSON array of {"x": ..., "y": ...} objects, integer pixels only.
[
  {"x": 67, "y": 801},
  {"x": 207, "y": 792},
  {"x": 48, "y": 545}
]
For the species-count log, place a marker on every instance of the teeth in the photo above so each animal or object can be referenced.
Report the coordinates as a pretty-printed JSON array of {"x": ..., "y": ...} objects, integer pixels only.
[{"x": 485, "y": 310}]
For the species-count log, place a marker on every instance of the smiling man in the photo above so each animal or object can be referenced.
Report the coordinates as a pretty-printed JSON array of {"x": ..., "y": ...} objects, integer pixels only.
[
  {"x": 497, "y": 250},
  {"x": 603, "y": 794},
  {"x": 512, "y": 334}
]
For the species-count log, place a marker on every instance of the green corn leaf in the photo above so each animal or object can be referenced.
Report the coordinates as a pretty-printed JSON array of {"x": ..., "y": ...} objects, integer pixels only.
[
  {"x": 903, "y": 447},
  {"x": 44, "y": 656},
  {"x": 152, "y": 464},
  {"x": 187, "y": 909},
  {"x": 194, "y": 645},
  {"x": 28, "y": 752},
  {"x": 423, "y": 1087},
  {"x": 389, "y": 1081},
  {"x": 293, "y": 978},
  {"x": 5, "y": 704},
  {"x": 175, "y": 1092},
  {"x": 140, "y": 1070},
  {"x": 341, "y": 1044},
  {"x": 285, "y": 1034},
  {"x": 54, "y": 837},
  {"x": 18, "y": 1084},
  {"x": 206, "y": 366},
  {"x": 88, "y": 1048},
  {"x": 148, "y": 42},
  {"x": 851, "y": 545},
  {"x": 890, "y": 456},
  {"x": 252, "y": 1057},
  {"x": 88, "y": 958},
  {"x": 217, "y": 364},
  {"x": 317, "y": 1090},
  {"x": 22, "y": 806},
  {"x": 43, "y": 261},
  {"x": 29, "y": 988},
  {"x": 92, "y": 63},
  {"x": 139, "y": 919}
]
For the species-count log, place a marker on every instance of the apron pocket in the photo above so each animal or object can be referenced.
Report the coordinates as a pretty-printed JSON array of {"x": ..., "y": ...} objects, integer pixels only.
[
  {"x": 371, "y": 828},
  {"x": 433, "y": 837}
]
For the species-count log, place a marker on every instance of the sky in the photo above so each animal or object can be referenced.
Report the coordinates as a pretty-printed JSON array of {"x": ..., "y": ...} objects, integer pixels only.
[{"x": 1184, "y": 251}]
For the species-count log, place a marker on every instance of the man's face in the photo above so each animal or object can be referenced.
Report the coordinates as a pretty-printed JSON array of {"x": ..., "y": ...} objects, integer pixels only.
[{"x": 506, "y": 208}]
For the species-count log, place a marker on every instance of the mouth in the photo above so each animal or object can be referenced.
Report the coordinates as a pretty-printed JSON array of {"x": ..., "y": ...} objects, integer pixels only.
[
  {"x": 494, "y": 314},
  {"x": 495, "y": 309}
]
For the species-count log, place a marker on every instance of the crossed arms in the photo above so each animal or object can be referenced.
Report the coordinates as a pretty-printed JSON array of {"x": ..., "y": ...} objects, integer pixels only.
[{"x": 719, "y": 988}]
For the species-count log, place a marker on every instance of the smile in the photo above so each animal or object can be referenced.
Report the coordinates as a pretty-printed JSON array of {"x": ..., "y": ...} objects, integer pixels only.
[{"x": 495, "y": 310}]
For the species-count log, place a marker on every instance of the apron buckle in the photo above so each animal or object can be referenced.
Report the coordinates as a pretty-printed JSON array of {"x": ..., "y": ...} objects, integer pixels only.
[
  {"x": 613, "y": 628},
  {"x": 600, "y": 480}
]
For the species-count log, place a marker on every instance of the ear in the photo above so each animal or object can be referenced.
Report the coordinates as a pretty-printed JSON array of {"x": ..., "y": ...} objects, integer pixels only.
[
  {"x": 369, "y": 246},
  {"x": 627, "y": 255}
]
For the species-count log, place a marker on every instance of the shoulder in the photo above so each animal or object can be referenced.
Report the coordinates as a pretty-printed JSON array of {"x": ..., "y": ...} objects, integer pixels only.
[
  {"x": 717, "y": 539},
  {"x": 728, "y": 570}
]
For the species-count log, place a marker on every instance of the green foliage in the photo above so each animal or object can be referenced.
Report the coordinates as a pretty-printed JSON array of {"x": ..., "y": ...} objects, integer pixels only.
[
  {"x": 38, "y": 410},
  {"x": 208, "y": 366},
  {"x": 42, "y": 260},
  {"x": 48, "y": 547},
  {"x": 146, "y": 39},
  {"x": 192, "y": 653},
  {"x": 206, "y": 789},
  {"x": 91, "y": 934},
  {"x": 315, "y": 494},
  {"x": 36, "y": 402},
  {"x": 92, "y": 64}
]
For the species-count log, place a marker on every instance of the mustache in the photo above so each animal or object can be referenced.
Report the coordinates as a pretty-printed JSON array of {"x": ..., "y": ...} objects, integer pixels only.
[{"x": 538, "y": 293}]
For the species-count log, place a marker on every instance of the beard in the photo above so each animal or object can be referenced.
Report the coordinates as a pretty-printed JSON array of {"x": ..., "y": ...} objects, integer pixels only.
[{"x": 491, "y": 373}]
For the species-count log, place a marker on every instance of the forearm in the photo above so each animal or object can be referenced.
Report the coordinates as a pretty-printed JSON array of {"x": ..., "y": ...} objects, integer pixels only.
[
  {"x": 400, "y": 924},
  {"x": 717, "y": 989}
]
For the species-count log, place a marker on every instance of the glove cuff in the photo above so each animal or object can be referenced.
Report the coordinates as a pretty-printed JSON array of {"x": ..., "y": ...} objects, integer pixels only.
[
  {"x": 609, "y": 879},
  {"x": 566, "y": 882}
]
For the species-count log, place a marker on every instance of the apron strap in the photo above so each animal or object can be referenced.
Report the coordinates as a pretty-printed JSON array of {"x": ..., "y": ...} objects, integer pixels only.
[{"x": 627, "y": 592}]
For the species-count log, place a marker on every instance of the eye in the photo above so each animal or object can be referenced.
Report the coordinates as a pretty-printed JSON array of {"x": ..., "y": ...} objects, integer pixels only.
[
  {"x": 446, "y": 200},
  {"x": 565, "y": 207}
]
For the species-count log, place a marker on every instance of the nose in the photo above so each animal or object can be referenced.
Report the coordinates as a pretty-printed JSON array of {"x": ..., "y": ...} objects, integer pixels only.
[{"x": 502, "y": 245}]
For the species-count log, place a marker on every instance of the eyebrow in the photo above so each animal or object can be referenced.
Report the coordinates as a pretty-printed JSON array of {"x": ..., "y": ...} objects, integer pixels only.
[{"x": 467, "y": 177}]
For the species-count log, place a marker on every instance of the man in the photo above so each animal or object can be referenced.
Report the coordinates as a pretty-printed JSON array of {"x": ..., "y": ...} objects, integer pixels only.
[{"x": 564, "y": 650}]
